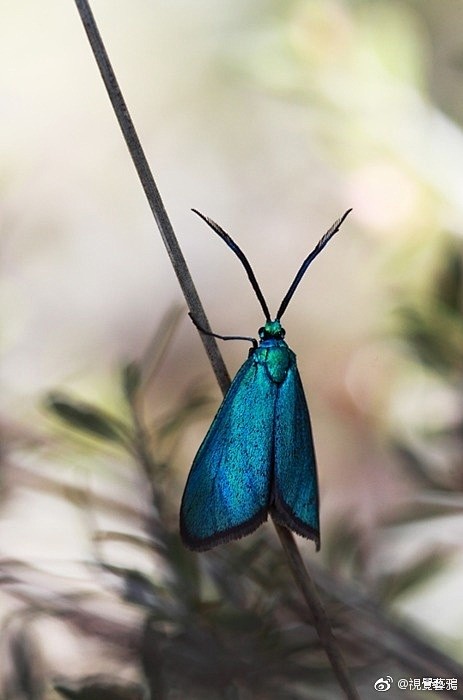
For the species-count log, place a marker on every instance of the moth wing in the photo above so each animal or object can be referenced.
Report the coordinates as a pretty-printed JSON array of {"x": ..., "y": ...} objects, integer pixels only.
[
  {"x": 228, "y": 489},
  {"x": 296, "y": 503}
]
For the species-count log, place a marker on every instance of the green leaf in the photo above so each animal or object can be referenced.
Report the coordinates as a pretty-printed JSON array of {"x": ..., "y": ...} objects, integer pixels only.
[
  {"x": 28, "y": 675},
  {"x": 137, "y": 588},
  {"x": 131, "y": 377},
  {"x": 448, "y": 284},
  {"x": 434, "y": 334},
  {"x": 403, "y": 582},
  {"x": 99, "y": 688},
  {"x": 84, "y": 417}
]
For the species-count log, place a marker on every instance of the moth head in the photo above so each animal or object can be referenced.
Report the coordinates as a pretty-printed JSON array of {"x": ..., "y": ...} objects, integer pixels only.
[{"x": 272, "y": 329}]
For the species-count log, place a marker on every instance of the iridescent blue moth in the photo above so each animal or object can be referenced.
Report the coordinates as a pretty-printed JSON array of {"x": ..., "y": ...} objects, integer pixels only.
[{"x": 258, "y": 456}]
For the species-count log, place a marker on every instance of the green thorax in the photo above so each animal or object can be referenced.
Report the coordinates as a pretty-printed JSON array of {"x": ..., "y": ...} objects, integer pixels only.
[{"x": 273, "y": 352}]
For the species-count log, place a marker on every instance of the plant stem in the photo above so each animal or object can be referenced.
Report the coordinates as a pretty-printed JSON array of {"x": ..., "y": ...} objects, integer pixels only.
[
  {"x": 298, "y": 569},
  {"x": 151, "y": 191},
  {"x": 320, "y": 618}
]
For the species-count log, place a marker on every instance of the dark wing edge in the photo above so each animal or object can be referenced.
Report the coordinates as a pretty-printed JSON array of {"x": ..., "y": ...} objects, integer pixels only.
[
  {"x": 283, "y": 515},
  {"x": 196, "y": 544}
]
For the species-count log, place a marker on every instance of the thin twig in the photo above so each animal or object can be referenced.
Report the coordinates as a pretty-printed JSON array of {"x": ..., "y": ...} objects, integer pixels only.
[
  {"x": 301, "y": 575},
  {"x": 320, "y": 618},
  {"x": 152, "y": 193}
]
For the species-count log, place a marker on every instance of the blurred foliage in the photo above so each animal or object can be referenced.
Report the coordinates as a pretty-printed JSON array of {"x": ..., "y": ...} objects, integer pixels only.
[
  {"x": 228, "y": 623},
  {"x": 84, "y": 417},
  {"x": 99, "y": 688},
  {"x": 429, "y": 322},
  {"x": 27, "y": 677}
]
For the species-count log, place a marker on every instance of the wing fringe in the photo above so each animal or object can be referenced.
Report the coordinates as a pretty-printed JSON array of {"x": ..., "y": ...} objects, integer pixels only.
[
  {"x": 197, "y": 544},
  {"x": 283, "y": 515}
]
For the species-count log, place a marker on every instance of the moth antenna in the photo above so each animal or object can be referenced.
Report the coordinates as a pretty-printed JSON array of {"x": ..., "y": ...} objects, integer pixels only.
[
  {"x": 244, "y": 261},
  {"x": 302, "y": 270}
]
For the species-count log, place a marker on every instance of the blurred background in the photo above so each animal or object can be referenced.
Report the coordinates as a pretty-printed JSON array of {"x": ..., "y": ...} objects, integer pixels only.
[{"x": 273, "y": 118}]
